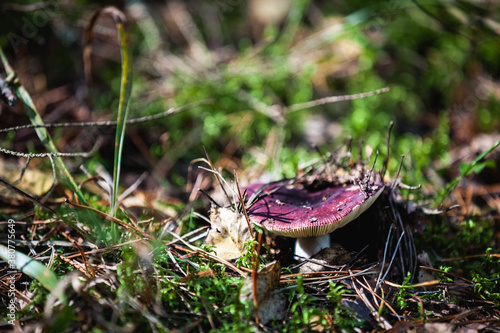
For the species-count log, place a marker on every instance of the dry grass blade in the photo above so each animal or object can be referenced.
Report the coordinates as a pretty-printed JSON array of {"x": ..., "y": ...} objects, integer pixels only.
[
  {"x": 241, "y": 203},
  {"x": 360, "y": 292},
  {"x": 446, "y": 273},
  {"x": 189, "y": 234},
  {"x": 117, "y": 16},
  {"x": 88, "y": 269},
  {"x": 49, "y": 155},
  {"x": 255, "y": 266},
  {"x": 326, "y": 276},
  {"x": 96, "y": 251},
  {"x": 83, "y": 268},
  {"x": 130, "y": 228},
  {"x": 416, "y": 285},
  {"x": 395, "y": 182},
  {"x": 5, "y": 287},
  {"x": 196, "y": 250},
  {"x": 256, "y": 249},
  {"x": 217, "y": 174},
  {"x": 349, "y": 274},
  {"x": 367, "y": 286},
  {"x": 305, "y": 275}
]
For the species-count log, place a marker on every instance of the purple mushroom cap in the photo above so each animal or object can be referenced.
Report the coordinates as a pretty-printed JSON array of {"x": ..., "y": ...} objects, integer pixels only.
[{"x": 300, "y": 211}]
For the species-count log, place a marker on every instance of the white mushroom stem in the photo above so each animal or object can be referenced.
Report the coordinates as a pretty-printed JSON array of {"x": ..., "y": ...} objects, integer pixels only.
[{"x": 308, "y": 246}]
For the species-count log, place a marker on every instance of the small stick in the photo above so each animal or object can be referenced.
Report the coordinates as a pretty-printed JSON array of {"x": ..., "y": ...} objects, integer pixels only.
[
  {"x": 216, "y": 174},
  {"x": 373, "y": 167},
  {"x": 110, "y": 123},
  {"x": 320, "y": 153},
  {"x": 360, "y": 156},
  {"x": 255, "y": 276},
  {"x": 408, "y": 187},
  {"x": 386, "y": 162},
  {"x": 397, "y": 173},
  {"x": 349, "y": 144},
  {"x": 333, "y": 99},
  {"x": 241, "y": 199},
  {"x": 209, "y": 197}
]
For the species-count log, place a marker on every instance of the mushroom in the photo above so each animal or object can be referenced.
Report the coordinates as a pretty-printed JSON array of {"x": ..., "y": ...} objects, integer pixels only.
[{"x": 309, "y": 213}]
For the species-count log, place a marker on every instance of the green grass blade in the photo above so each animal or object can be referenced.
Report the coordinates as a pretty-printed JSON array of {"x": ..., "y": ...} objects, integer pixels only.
[
  {"x": 125, "y": 90},
  {"x": 42, "y": 133},
  {"x": 465, "y": 170},
  {"x": 31, "y": 267}
]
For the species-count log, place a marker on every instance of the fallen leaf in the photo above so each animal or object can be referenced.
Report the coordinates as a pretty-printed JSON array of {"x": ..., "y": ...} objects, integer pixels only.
[
  {"x": 423, "y": 275},
  {"x": 334, "y": 255},
  {"x": 33, "y": 182},
  {"x": 271, "y": 305},
  {"x": 228, "y": 233}
]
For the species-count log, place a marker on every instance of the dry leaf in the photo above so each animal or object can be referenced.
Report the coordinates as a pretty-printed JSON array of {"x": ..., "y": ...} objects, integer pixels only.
[
  {"x": 335, "y": 255},
  {"x": 423, "y": 275},
  {"x": 33, "y": 182},
  {"x": 271, "y": 304},
  {"x": 228, "y": 233}
]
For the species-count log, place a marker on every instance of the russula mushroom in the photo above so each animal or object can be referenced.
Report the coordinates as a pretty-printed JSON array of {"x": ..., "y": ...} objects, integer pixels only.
[{"x": 309, "y": 213}]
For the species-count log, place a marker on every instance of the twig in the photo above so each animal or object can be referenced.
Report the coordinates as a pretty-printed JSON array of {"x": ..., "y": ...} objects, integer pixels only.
[
  {"x": 94, "y": 251},
  {"x": 131, "y": 188},
  {"x": 397, "y": 173},
  {"x": 58, "y": 154},
  {"x": 386, "y": 162},
  {"x": 221, "y": 180},
  {"x": 350, "y": 275},
  {"x": 218, "y": 176},
  {"x": 369, "y": 305},
  {"x": 197, "y": 250},
  {"x": 88, "y": 269},
  {"x": 26, "y": 195},
  {"x": 333, "y": 99},
  {"x": 367, "y": 286},
  {"x": 241, "y": 201},
  {"x": 110, "y": 122},
  {"x": 187, "y": 235},
  {"x": 175, "y": 262}
]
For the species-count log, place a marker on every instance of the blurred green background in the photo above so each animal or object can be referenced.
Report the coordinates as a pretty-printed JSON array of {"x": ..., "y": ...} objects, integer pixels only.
[{"x": 253, "y": 60}]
